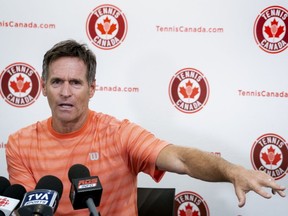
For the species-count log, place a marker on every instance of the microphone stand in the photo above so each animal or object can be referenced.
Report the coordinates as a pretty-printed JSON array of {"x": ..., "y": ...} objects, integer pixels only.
[{"x": 92, "y": 208}]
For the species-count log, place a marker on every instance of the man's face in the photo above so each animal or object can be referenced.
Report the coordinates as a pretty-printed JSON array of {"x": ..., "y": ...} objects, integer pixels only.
[{"x": 68, "y": 92}]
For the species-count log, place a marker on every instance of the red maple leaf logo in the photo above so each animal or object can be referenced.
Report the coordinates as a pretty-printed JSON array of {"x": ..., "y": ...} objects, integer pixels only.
[
  {"x": 274, "y": 31},
  {"x": 20, "y": 85},
  {"x": 106, "y": 27},
  {"x": 270, "y": 157},
  {"x": 188, "y": 211},
  {"x": 189, "y": 91}
]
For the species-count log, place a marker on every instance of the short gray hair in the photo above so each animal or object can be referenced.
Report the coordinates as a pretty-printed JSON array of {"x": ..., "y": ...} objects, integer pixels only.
[{"x": 70, "y": 48}]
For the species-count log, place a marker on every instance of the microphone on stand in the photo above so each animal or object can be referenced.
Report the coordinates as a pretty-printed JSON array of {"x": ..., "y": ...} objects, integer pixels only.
[
  {"x": 4, "y": 183},
  {"x": 86, "y": 190},
  {"x": 43, "y": 201},
  {"x": 11, "y": 199}
]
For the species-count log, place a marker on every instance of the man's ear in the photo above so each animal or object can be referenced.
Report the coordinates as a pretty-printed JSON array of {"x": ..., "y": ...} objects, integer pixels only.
[
  {"x": 43, "y": 85},
  {"x": 92, "y": 89}
]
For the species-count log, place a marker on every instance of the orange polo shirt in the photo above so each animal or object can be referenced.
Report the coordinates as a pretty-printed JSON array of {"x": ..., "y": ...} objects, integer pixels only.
[{"x": 115, "y": 151}]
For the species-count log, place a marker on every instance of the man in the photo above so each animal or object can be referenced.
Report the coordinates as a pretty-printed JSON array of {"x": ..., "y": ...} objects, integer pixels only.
[{"x": 114, "y": 150}]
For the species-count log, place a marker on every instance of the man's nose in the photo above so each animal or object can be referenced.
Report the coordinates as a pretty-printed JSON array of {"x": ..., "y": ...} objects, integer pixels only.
[{"x": 66, "y": 90}]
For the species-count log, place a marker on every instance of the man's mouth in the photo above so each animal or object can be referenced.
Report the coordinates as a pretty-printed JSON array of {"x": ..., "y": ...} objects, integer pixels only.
[{"x": 66, "y": 105}]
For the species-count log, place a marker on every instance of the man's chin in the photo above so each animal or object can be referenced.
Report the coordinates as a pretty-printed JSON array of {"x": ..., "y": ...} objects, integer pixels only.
[{"x": 65, "y": 117}]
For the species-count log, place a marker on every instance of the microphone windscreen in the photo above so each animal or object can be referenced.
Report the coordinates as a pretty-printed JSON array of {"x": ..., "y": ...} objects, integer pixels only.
[
  {"x": 50, "y": 182},
  {"x": 4, "y": 183},
  {"x": 15, "y": 191},
  {"x": 78, "y": 171}
]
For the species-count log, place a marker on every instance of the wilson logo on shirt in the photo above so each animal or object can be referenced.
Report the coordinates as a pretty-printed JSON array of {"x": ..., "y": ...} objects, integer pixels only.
[
  {"x": 270, "y": 155},
  {"x": 106, "y": 26},
  {"x": 20, "y": 84},
  {"x": 190, "y": 203},
  {"x": 270, "y": 29},
  {"x": 94, "y": 156},
  {"x": 189, "y": 90}
]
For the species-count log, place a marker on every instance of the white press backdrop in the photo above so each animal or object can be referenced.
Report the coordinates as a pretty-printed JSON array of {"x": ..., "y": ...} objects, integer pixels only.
[{"x": 147, "y": 60}]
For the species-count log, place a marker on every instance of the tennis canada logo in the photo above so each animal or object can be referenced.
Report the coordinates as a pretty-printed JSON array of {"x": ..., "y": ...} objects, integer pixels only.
[
  {"x": 20, "y": 84},
  {"x": 189, "y": 90},
  {"x": 270, "y": 29},
  {"x": 106, "y": 27},
  {"x": 270, "y": 154},
  {"x": 190, "y": 203}
]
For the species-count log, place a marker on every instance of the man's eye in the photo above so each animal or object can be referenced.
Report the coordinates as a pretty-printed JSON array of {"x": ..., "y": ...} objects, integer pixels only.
[
  {"x": 75, "y": 82},
  {"x": 56, "y": 82}
]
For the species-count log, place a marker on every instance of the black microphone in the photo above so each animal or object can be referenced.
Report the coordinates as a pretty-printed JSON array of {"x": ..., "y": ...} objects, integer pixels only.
[
  {"x": 4, "y": 183},
  {"x": 86, "y": 190},
  {"x": 11, "y": 199},
  {"x": 43, "y": 201}
]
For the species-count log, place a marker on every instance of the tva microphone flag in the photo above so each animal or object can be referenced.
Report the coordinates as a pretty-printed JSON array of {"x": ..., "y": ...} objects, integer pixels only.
[
  {"x": 40, "y": 197},
  {"x": 43, "y": 201},
  {"x": 84, "y": 187}
]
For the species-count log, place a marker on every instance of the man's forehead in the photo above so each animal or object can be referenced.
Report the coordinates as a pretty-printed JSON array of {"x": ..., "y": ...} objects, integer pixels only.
[{"x": 67, "y": 70}]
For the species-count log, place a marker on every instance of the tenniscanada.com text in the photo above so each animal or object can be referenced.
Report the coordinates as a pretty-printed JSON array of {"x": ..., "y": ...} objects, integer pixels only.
[
  {"x": 117, "y": 89},
  {"x": 30, "y": 25}
]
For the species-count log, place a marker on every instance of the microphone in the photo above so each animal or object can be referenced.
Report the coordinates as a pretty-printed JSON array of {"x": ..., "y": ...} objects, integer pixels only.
[
  {"x": 86, "y": 190},
  {"x": 43, "y": 201},
  {"x": 4, "y": 183},
  {"x": 11, "y": 199}
]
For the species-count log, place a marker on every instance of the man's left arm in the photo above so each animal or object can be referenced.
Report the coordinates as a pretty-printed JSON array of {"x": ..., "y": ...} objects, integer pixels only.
[{"x": 209, "y": 167}]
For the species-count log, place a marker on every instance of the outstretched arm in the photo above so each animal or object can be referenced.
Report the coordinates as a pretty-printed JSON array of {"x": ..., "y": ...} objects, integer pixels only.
[{"x": 209, "y": 167}]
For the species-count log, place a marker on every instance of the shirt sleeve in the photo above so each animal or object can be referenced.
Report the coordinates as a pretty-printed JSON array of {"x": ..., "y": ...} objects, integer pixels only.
[
  {"x": 17, "y": 164},
  {"x": 143, "y": 149}
]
